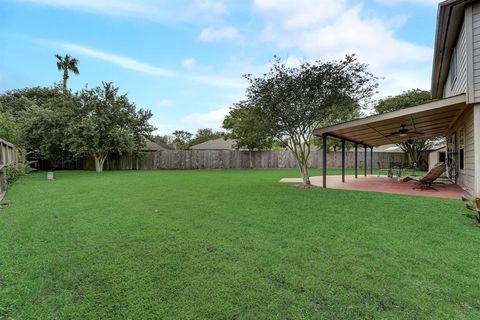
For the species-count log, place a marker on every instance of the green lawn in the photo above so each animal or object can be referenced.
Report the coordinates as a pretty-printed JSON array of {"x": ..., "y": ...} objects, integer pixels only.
[{"x": 231, "y": 245}]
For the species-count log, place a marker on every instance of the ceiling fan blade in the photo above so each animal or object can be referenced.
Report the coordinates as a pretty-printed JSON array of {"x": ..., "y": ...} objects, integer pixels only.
[{"x": 415, "y": 132}]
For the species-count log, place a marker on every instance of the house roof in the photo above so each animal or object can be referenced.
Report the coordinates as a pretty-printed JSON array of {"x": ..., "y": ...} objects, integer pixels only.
[
  {"x": 164, "y": 146},
  {"x": 154, "y": 146},
  {"x": 215, "y": 144},
  {"x": 450, "y": 16},
  {"x": 433, "y": 119}
]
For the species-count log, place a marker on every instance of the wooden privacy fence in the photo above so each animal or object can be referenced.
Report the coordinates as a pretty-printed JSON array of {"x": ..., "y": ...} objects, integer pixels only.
[
  {"x": 8, "y": 156},
  {"x": 219, "y": 159},
  {"x": 224, "y": 159}
]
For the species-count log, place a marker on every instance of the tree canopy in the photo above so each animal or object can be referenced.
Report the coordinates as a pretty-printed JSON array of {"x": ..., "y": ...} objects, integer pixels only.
[
  {"x": 410, "y": 98},
  {"x": 60, "y": 127},
  {"x": 67, "y": 64},
  {"x": 294, "y": 101},
  {"x": 248, "y": 128},
  {"x": 107, "y": 123}
]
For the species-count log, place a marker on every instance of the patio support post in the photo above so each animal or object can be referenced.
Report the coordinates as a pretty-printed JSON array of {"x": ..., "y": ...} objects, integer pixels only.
[
  {"x": 324, "y": 147},
  {"x": 365, "y": 161},
  {"x": 356, "y": 160},
  {"x": 343, "y": 160},
  {"x": 371, "y": 161}
]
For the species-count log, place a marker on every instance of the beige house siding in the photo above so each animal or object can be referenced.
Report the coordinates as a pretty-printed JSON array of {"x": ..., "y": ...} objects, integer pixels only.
[
  {"x": 459, "y": 85},
  {"x": 476, "y": 49},
  {"x": 476, "y": 128},
  {"x": 466, "y": 177}
]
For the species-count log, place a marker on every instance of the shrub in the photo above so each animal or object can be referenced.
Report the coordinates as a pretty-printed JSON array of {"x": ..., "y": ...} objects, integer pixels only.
[{"x": 15, "y": 171}]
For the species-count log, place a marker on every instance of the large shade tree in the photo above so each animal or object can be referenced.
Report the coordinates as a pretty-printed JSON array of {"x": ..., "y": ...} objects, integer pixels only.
[
  {"x": 67, "y": 64},
  {"x": 45, "y": 128},
  {"x": 413, "y": 148},
  {"x": 36, "y": 120},
  {"x": 107, "y": 123},
  {"x": 248, "y": 128},
  {"x": 294, "y": 101}
]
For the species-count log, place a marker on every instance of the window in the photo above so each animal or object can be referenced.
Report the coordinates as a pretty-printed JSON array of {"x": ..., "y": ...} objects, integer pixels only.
[
  {"x": 461, "y": 149},
  {"x": 453, "y": 67}
]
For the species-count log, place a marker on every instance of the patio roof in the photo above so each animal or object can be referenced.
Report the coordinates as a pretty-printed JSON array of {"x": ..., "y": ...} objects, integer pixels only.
[{"x": 435, "y": 118}]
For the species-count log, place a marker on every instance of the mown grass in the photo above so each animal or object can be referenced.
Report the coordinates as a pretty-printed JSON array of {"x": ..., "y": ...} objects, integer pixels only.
[{"x": 230, "y": 245}]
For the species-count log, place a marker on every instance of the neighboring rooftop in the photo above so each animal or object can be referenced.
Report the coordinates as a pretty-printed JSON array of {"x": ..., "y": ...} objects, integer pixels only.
[
  {"x": 156, "y": 146},
  {"x": 215, "y": 144}
]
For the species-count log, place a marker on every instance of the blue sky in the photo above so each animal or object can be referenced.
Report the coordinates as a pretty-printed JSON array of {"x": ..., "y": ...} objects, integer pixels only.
[{"x": 185, "y": 59}]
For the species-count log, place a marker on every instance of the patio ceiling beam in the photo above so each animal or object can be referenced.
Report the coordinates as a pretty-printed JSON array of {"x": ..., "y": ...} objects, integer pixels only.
[
  {"x": 454, "y": 120},
  {"x": 346, "y": 139},
  {"x": 375, "y": 138},
  {"x": 392, "y": 116},
  {"x": 374, "y": 132},
  {"x": 381, "y": 134},
  {"x": 420, "y": 122},
  {"x": 439, "y": 128}
]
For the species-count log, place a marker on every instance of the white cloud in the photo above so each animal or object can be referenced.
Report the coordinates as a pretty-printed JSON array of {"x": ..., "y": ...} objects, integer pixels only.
[
  {"x": 215, "y": 80},
  {"x": 145, "y": 9},
  {"x": 165, "y": 103},
  {"x": 211, "y": 6},
  {"x": 157, "y": 10},
  {"x": 417, "y": 2},
  {"x": 220, "y": 81},
  {"x": 212, "y": 119},
  {"x": 124, "y": 62},
  {"x": 192, "y": 64},
  {"x": 300, "y": 13},
  {"x": 342, "y": 29},
  {"x": 212, "y": 34},
  {"x": 372, "y": 40}
]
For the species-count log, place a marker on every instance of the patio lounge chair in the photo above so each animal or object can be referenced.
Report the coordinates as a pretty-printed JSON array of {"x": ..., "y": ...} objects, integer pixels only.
[{"x": 427, "y": 180}]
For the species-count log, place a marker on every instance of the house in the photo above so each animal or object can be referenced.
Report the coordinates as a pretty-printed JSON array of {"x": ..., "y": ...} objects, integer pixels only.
[
  {"x": 437, "y": 155},
  {"x": 215, "y": 144},
  {"x": 455, "y": 112},
  {"x": 151, "y": 146}
]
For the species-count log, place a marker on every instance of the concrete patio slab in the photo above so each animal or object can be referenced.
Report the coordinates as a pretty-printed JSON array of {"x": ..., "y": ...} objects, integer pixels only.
[{"x": 384, "y": 185}]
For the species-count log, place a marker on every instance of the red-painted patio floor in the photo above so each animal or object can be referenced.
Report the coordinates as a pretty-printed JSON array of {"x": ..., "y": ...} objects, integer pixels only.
[{"x": 385, "y": 185}]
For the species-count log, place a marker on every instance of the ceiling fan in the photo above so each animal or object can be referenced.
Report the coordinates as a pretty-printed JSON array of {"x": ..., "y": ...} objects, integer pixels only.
[{"x": 403, "y": 132}]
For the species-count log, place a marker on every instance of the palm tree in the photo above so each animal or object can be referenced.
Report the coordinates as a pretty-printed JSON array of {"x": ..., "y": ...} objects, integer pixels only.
[{"x": 67, "y": 64}]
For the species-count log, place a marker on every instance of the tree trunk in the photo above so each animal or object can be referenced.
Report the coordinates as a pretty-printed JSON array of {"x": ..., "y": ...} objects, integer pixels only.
[
  {"x": 301, "y": 153},
  {"x": 65, "y": 78},
  {"x": 99, "y": 161},
  {"x": 304, "y": 172}
]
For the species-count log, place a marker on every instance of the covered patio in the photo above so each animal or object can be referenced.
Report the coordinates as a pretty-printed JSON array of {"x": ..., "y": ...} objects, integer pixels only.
[
  {"x": 433, "y": 119},
  {"x": 383, "y": 184}
]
